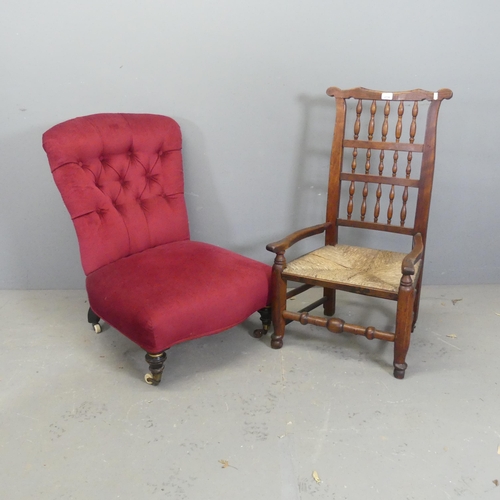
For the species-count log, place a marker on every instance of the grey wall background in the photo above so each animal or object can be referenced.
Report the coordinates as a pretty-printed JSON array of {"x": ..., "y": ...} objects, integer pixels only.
[{"x": 246, "y": 81}]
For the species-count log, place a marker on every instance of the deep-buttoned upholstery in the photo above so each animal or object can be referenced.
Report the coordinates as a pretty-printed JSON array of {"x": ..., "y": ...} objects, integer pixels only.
[{"x": 121, "y": 179}]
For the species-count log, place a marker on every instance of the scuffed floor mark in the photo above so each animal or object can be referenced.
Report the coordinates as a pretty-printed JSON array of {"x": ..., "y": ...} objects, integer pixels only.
[
  {"x": 323, "y": 433},
  {"x": 444, "y": 341},
  {"x": 289, "y": 481},
  {"x": 88, "y": 410}
]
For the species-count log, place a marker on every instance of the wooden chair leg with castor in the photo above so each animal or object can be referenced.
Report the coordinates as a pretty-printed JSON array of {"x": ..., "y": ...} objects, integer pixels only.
[
  {"x": 156, "y": 367},
  {"x": 265, "y": 318},
  {"x": 93, "y": 319}
]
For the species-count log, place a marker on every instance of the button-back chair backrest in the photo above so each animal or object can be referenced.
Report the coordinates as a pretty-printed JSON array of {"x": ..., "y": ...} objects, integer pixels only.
[
  {"x": 120, "y": 176},
  {"x": 382, "y": 161}
]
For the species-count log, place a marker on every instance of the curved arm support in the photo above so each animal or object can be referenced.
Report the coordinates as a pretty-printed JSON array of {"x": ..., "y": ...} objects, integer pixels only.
[
  {"x": 282, "y": 245},
  {"x": 408, "y": 266}
]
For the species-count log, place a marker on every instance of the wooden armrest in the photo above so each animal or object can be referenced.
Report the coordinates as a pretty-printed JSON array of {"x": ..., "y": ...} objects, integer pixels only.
[
  {"x": 282, "y": 245},
  {"x": 408, "y": 266}
]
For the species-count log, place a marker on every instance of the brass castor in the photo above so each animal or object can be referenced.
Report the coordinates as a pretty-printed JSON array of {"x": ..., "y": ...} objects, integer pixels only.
[
  {"x": 257, "y": 334},
  {"x": 149, "y": 378},
  {"x": 93, "y": 319},
  {"x": 156, "y": 366},
  {"x": 265, "y": 317}
]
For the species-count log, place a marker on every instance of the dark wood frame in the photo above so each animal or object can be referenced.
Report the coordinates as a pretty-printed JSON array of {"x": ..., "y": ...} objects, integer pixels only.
[{"x": 408, "y": 295}]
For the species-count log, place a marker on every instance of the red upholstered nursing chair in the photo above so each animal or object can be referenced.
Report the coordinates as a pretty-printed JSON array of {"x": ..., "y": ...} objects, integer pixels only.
[{"x": 121, "y": 179}]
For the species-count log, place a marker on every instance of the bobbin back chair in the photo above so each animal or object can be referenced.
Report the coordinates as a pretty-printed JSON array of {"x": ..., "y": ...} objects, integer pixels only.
[
  {"x": 121, "y": 179},
  {"x": 371, "y": 161}
]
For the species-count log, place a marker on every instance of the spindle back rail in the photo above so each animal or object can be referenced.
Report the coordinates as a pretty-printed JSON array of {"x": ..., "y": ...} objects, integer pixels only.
[{"x": 382, "y": 165}]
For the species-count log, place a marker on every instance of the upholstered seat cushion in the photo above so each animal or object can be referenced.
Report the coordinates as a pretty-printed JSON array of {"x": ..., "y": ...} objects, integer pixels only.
[
  {"x": 352, "y": 266},
  {"x": 177, "y": 292}
]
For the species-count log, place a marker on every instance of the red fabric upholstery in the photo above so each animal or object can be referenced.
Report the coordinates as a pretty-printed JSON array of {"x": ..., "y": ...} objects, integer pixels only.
[
  {"x": 177, "y": 292},
  {"x": 120, "y": 176}
]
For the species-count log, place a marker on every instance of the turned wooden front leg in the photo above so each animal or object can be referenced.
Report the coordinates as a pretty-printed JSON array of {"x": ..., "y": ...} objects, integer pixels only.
[
  {"x": 278, "y": 303},
  {"x": 156, "y": 366},
  {"x": 404, "y": 321}
]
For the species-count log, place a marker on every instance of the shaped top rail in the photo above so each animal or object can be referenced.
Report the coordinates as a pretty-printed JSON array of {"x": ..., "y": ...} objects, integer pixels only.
[{"x": 378, "y": 95}]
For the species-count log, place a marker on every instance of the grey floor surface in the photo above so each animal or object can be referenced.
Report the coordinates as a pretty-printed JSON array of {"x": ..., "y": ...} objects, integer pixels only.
[{"x": 234, "y": 419}]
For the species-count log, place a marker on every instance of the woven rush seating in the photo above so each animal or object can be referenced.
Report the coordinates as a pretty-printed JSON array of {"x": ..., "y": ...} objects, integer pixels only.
[{"x": 346, "y": 266}]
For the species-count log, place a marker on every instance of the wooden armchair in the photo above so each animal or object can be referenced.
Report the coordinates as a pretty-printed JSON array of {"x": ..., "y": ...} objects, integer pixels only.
[{"x": 395, "y": 175}]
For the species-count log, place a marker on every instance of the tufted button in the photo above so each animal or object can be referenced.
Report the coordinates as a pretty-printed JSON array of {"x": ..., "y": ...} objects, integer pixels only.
[{"x": 80, "y": 163}]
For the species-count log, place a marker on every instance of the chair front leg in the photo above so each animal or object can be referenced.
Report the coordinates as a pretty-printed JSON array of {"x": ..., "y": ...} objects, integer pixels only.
[
  {"x": 93, "y": 319},
  {"x": 404, "y": 320},
  {"x": 278, "y": 301},
  {"x": 416, "y": 303},
  {"x": 156, "y": 366},
  {"x": 265, "y": 318}
]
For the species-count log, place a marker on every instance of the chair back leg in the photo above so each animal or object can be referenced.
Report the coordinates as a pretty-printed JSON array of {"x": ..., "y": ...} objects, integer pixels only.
[{"x": 329, "y": 305}]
